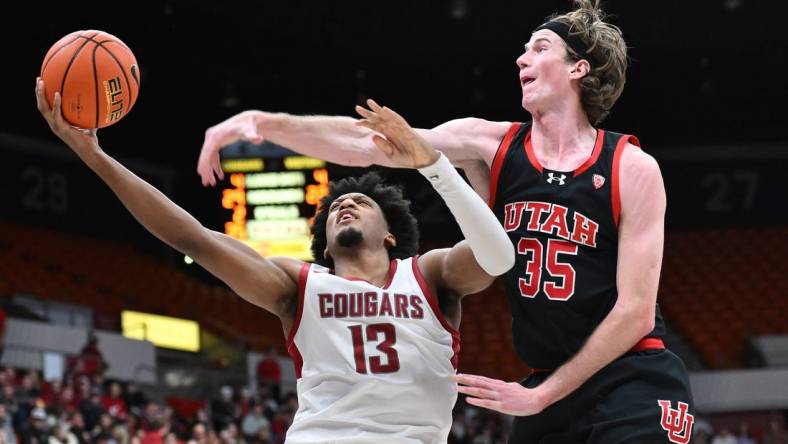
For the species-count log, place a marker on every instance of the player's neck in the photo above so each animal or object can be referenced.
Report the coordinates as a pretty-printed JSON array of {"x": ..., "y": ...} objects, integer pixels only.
[
  {"x": 372, "y": 266},
  {"x": 562, "y": 138}
]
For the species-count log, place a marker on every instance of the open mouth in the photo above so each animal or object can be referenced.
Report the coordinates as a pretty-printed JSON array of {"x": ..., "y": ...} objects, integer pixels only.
[
  {"x": 525, "y": 81},
  {"x": 345, "y": 216}
]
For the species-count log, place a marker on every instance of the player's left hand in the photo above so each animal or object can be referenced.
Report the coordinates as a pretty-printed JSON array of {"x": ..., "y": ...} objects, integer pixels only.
[
  {"x": 399, "y": 142},
  {"x": 509, "y": 398}
]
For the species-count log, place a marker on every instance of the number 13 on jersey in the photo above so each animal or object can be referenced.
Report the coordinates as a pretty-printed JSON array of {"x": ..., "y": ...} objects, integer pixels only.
[{"x": 385, "y": 346}]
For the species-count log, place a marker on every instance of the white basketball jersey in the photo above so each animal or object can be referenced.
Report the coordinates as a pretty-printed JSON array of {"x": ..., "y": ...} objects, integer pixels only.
[{"x": 374, "y": 365}]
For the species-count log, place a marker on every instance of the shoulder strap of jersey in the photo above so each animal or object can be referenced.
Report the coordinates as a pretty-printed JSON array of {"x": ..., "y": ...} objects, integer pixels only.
[
  {"x": 615, "y": 192},
  {"x": 292, "y": 348},
  {"x": 500, "y": 155}
]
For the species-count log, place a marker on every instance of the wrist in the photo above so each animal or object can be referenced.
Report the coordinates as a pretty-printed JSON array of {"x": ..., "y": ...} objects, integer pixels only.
[
  {"x": 543, "y": 397},
  {"x": 266, "y": 122},
  {"x": 438, "y": 170}
]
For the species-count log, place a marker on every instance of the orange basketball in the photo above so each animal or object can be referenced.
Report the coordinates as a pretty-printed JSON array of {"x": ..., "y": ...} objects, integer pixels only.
[{"x": 97, "y": 76}]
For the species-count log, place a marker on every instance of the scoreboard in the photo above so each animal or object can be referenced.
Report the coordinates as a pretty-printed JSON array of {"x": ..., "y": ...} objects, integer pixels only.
[{"x": 269, "y": 198}]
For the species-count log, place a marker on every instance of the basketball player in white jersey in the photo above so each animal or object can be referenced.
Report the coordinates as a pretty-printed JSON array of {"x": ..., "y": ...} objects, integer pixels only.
[{"x": 374, "y": 333}]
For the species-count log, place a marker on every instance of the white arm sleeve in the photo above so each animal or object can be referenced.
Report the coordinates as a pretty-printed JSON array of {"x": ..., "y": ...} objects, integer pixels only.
[{"x": 489, "y": 242}]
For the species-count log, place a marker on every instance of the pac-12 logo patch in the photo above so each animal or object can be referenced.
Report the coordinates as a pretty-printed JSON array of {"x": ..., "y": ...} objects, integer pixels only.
[
  {"x": 678, "y": 423},
  {"x": 598, "y": 181}
]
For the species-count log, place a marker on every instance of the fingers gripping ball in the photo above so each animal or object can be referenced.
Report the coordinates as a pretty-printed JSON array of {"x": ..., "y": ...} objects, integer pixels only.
[{"x": 97, "y": 76}]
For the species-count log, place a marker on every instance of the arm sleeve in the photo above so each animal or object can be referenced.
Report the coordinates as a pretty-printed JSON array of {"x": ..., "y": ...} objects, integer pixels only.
[{"x": 489, "y": 242}]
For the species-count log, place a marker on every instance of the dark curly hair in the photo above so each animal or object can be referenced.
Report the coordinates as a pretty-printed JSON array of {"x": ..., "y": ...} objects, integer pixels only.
[{"x": 396, "y": 210}]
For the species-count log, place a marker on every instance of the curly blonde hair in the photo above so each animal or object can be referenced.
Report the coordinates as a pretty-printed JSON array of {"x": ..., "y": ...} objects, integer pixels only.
[{"x": 604, "y": 83}]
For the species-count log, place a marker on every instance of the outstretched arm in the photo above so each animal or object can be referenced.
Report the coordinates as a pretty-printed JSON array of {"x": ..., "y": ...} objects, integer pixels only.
[
  {"x": 469, "y": 266},
  {"x": 339, "y": 140},
  {"x": 641, "y": 236},
  {"x": 260, "y": 281}
]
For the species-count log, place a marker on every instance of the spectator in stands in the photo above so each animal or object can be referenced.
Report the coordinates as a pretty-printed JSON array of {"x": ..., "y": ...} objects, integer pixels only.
[
  {"x": 77, "y": 427},
  {"x": 263, "y": 437},
  {"x": 775, "y": 432},
  {"x": 36, "y": 430},
  {"x": 199, "y": 434},
  {"x": 281, "y": 422},
  {"x": 113, "y": 402},
  {"x": 64, "y": 402},
  {"x": 91, "y": 410},
  {"x": 50, "y": 392},
  {"x": 27, "y": 394},
  {"x": 104, "y": 426},
  {"x": 120, "y": 434},
  {"x": 245, "y": 402},
  {"x": 230, "y": 434},
  {"x": 269, "y": 374},
  {"x": 223, "y": 411},
  {"x": 90, "y": 361},
  {"x": 62, "y": 435},
  {"x": 135, "y": 400},
  {"x": 7, "y": 435},
  {"x": 8, "y": 399},
  {"x": 253, "y": 422},
  {"x": 158, "y": 428},
  {"x": 724, "y": 436}
]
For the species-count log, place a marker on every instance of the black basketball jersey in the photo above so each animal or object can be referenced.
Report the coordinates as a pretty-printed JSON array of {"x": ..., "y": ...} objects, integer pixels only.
[{"x": 564, "y": 226}]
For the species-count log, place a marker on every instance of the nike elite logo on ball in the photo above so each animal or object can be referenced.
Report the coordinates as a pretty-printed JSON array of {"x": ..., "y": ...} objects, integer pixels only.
[{"x": 113, "y": 92}]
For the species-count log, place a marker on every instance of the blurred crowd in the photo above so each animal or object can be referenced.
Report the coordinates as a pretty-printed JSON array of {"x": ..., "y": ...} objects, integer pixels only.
[{"x": 85, "y": 407}]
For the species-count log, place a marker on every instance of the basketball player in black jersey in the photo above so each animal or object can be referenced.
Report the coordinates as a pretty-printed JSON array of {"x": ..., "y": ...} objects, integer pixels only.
[{"x": 585, "y": 211}]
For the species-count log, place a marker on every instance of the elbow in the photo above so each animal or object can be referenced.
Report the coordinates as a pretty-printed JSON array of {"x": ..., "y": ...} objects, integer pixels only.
[
  {"x": 189, "y": 242},
  {"x": 637, "y": 321},
  {"x": 646, "y": 325},
  {"x": 642, "y": 323},
  {"x": 501, "y": 263}
]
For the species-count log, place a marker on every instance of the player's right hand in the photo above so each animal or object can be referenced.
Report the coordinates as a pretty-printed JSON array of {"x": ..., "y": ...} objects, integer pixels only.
[
  {"x": 241, "y": 126},
  {"x": 82, "y": 141}
]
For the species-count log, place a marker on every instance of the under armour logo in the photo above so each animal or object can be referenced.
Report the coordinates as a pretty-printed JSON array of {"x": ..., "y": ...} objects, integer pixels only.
[
  {"x": 552, "y": 177},
  {"x": 678, "y": 423}
]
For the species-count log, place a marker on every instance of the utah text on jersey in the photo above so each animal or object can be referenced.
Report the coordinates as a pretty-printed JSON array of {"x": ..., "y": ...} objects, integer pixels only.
[{"x": 552, "y": 219}]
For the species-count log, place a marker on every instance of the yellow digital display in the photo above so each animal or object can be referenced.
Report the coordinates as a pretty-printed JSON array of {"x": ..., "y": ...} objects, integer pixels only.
[
  {"x": 163, "y": 331},
  {"x": 272, "y": 202}
]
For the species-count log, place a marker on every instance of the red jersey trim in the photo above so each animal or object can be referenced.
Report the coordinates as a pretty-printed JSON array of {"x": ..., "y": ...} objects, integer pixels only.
[
  {"x": 392, "y": 272},
  {"x": 648, "y": 344},
  {"x": 433, "y": 301},
  {"x": 292, "y": 348},
  {"x": 600, "y": 137},
  {"x": 615, "y": 190},
  {"x": 529, "y": 151},
  {"x": 641, "y": 345},
  {"x": 500, "y": 155}
]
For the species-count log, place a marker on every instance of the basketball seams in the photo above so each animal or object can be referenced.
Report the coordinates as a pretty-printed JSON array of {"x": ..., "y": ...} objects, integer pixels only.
[
  {"x": 123, "y": 70},
  {"x": 65, "y": 45},
  {"x": 95, "y": 83},
  {"x": 68, "y": 67}
]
